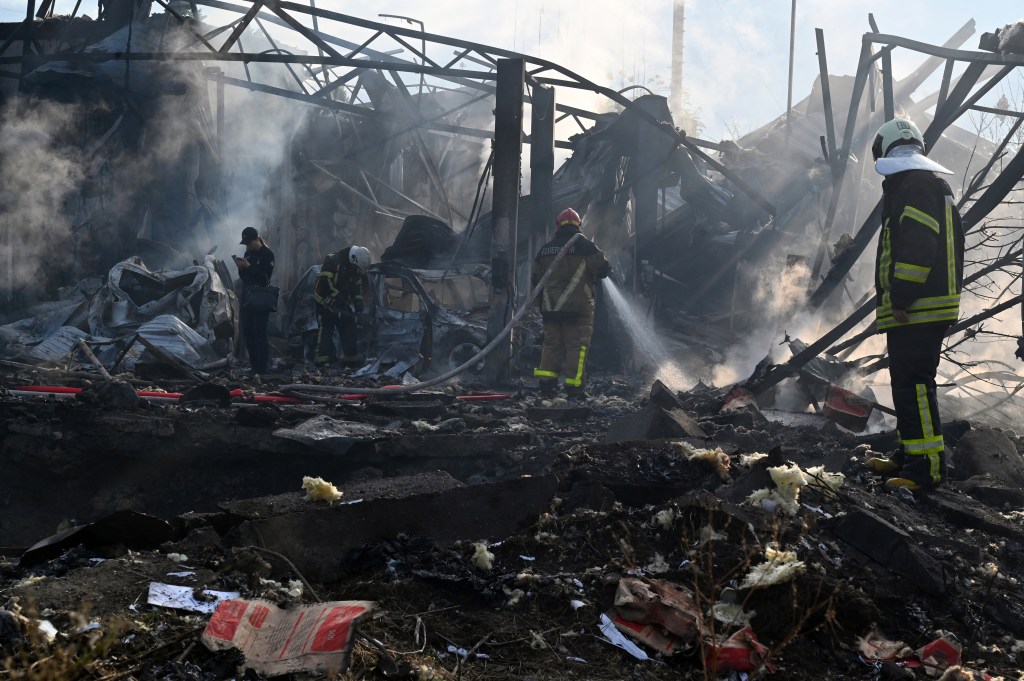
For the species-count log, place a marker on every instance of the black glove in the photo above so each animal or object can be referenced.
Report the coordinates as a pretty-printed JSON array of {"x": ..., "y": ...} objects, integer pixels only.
[{"x": 357, "y": 305}]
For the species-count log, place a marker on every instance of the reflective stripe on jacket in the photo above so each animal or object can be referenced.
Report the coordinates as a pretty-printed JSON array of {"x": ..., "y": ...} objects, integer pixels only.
[
  {"x": 339, "y": 279},
  {"x": 569, "y": 292},
  {"x": 920, "y": 251}
]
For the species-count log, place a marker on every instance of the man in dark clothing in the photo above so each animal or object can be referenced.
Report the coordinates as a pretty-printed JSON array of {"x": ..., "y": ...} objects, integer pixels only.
[
  {"x": 567, "y": 305},
  {"x": 918, "y": 279},
  {"x": 338, "y": 294},
  {"x": 255, "y": 269}
]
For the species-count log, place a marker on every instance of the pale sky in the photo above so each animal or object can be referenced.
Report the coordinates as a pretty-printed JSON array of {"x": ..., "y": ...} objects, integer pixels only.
[{"x": 736, "y": 51}]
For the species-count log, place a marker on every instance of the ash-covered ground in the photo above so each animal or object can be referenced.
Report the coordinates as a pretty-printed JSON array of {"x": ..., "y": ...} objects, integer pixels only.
[{"x": 493, "y": 534}]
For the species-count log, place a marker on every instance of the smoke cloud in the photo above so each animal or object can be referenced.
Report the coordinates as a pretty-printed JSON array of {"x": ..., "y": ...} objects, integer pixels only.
[{"x": 41, "y": 174}]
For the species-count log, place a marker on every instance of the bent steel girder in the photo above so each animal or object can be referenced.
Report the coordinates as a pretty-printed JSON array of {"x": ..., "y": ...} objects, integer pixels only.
[
  {"x": 953, "y": 104},
  {"x": 370, "y": 53}
]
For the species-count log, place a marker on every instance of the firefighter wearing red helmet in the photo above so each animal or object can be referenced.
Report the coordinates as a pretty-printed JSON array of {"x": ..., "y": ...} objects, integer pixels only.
[{"x": 567, "y": 305}]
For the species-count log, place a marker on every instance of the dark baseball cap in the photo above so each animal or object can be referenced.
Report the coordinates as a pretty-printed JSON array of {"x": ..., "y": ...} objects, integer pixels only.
[{"x": 248, "y": 234}]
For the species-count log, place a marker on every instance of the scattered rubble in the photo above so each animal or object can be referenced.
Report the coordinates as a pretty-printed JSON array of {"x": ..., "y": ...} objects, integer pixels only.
[
  {"x": 159, "y": 517},
  {"x": 521, "y": 567}
]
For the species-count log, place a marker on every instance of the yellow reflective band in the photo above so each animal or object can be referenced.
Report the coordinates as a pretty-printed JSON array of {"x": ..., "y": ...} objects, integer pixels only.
[
  {"x": 950, "y": 248},
  {"x": 936, "y": 302},
  {"x": 578, "y": 380},
  {"x": 931, "y": 448},
  {"x": 924, "y": 411},
  {"x": 932, "y": 316},
  {"x": 885, "y": 262},
  {"x": 544, "y": 374},
  {"x": 922, "y": 217},
  {"x": 912, "y": 273},
  {"x": 929, "y": 445}
]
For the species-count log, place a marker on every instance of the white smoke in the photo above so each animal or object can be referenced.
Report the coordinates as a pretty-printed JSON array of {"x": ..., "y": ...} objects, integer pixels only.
[
  {"x": 41, "y": 173},
  {"x": 778, "y": 290}
]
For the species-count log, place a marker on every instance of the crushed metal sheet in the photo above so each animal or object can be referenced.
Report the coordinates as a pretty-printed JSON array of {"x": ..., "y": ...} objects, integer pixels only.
[
  {"x": 173, "y": 336},
  {"x": 330, "y": 435},
  {"x": 134, "y": 295}
]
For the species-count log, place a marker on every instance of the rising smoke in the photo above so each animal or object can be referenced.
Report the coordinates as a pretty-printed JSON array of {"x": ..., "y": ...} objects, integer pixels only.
[
  {"x": 779, "y": 289},
  {"x": 41, "y": 173}
]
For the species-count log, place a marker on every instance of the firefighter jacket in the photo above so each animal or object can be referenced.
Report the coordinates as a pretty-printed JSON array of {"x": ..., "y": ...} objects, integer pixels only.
[
  {"x": 340, "y": 283},
  {"x": 569, "y": 292},
  {"x": 920, "y": 251}
]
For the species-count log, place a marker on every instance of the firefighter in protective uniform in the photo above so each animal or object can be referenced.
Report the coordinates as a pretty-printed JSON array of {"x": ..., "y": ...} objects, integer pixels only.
[
  {"x": 567, "y": 305},
  {"x": 918, "y": 278},
  {"x": 338, "y": 294}
]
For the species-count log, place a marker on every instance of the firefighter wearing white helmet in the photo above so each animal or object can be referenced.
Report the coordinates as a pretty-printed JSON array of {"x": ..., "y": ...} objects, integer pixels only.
[
  {"x": 338, "y": 294},
  {"x": 918, "y": 278}
]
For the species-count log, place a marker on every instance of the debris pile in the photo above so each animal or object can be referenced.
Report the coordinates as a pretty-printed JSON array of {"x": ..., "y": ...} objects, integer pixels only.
[
  {"x": 568, "y": 556},
  {"x": 166, "y": 516}
]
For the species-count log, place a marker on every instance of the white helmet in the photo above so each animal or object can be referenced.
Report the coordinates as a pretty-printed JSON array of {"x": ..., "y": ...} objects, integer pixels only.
[
  {"x": 359, "y": 256},
  {"x": 896, "y": 132}
]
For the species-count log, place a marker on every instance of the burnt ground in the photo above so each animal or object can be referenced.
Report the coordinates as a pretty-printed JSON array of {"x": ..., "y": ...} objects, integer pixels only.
[{"x": 561, "y": 538}]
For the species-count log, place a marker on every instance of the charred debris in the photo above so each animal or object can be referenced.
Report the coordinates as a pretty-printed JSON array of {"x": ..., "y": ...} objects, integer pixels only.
[{"x": 467, "y": 529}]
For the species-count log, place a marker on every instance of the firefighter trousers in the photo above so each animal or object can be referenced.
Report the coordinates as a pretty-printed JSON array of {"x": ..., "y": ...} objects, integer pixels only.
[
  {"x": 330, "y": 321},
  {"x": 913, "y": 360},
  {"x": 565, "y": 353}
]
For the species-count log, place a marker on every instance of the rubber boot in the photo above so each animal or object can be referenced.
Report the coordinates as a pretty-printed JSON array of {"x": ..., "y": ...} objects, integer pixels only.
[
  {"x": 548, "y": 388},
  {"x": 889, "y": 464},
  {"x": 920, "y": 472},
  {"x": 577, "y": 393}
]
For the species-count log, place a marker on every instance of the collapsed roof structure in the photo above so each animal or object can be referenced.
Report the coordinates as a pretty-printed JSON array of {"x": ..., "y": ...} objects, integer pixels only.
[
  {"x": 153, "y": 136},
  {"x": 392, "y": 128}
]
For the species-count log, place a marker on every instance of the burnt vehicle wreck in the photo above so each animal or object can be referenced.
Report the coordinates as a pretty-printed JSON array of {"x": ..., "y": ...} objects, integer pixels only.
[{"x": 403, "y": 328}]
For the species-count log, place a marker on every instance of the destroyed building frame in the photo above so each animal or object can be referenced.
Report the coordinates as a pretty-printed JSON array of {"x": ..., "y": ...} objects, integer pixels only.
[
  {"x": 338, "y": 61},
  {"x": 542, "y": 76}
]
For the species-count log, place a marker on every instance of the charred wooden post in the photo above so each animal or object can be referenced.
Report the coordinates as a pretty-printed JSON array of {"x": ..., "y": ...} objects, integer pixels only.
[
  {"x": 542, "y": 164},
  {"x": 508, "y": 146}
]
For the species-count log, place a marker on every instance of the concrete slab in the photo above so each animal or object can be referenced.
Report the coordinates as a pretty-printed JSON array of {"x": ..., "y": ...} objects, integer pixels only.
[
  {"x": 318, "y": 539},
  {"x": 890, "y": 546},
  {"x": 653, "y": 422},
  {"x": 450, "y": 446},
  {"x": 559, "y": 414}
]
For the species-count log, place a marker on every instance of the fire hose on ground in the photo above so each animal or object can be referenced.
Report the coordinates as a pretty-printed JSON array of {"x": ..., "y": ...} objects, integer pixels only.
[{"x": 297, "y": 389}]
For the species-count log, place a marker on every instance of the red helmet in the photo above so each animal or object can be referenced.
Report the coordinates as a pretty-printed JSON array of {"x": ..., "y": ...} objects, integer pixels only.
[{"x": 568, "y": 217}]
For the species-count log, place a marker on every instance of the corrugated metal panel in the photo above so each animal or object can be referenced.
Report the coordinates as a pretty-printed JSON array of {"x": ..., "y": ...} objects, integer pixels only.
[{"x": 57, "y": 346}]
